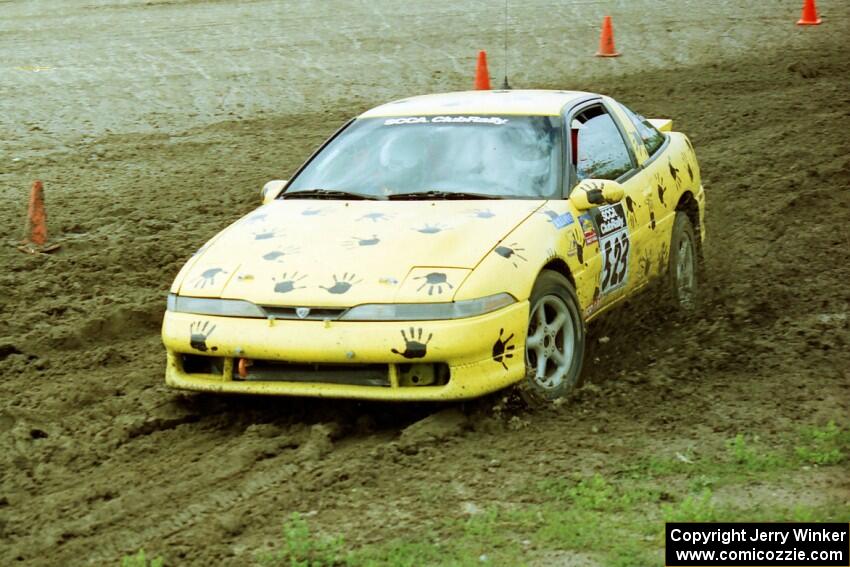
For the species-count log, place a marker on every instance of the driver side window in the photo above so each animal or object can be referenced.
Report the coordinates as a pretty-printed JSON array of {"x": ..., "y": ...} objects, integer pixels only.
[{"x": 599, "y": 150}]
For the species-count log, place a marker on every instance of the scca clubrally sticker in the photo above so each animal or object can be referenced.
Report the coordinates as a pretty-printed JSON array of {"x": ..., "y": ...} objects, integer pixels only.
[
  {"x": 492, "y": 120},
  {"x": 614, "y": 246}
]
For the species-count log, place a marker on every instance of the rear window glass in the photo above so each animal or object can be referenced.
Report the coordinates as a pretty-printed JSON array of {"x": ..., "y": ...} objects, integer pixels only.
[{"x": 652, "y": 138}]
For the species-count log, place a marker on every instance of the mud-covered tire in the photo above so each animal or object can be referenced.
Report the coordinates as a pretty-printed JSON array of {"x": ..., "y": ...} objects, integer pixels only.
[
  {"x": 554, "y": 351},
  {"x": 683, "y": 267}
]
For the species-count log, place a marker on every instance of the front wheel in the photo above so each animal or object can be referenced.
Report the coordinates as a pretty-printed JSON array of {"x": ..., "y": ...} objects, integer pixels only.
[{"x": 554, "y": 345}]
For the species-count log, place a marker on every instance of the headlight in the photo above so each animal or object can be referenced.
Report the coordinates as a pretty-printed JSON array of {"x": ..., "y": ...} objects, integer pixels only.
[
  {"x": 221, "y": 307},
  {"x": 427, "y": 311}
]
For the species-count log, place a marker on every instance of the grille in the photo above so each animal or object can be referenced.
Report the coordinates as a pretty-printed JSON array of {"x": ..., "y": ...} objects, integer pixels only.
[
  {"x": 316, "y": 314},
  {"x": 351, "y": 374}
]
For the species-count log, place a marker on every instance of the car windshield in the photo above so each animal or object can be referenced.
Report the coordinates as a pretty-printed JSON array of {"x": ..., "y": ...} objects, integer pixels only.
[{"x": 433, "y": 156}]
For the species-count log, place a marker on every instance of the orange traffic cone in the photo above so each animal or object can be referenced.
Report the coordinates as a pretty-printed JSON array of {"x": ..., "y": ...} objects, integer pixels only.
[
  {"x": 482, "y": 75},
  {"x": 606, "y": 40},
  {"x": 810, "y": 14},
  {"x": 35, "y": 239}
]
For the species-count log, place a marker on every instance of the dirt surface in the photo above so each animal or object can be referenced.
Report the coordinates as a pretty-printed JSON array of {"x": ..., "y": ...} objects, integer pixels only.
[{"x": 154, "y": 124}]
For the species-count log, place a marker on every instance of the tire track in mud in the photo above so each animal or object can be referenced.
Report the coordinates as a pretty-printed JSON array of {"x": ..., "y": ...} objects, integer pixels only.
[
  {"x": 242, "y": 458},
  {"x": 109, "y": 510},
  {"x": 214, "y": 497},
  {"x": 278, "y": 471}
]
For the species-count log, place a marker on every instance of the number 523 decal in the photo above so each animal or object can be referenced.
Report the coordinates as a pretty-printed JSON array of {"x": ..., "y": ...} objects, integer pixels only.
[{"x": 614, "y": 246}]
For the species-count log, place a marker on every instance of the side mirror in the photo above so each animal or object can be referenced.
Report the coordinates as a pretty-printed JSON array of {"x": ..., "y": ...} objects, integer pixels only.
[
  {"x": 272, "y": 189},
  {"x": 594, "y": 192}
]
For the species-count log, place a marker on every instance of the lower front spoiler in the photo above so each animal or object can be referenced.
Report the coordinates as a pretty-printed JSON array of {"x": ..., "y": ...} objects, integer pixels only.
[{"x": 467, "y": 381}]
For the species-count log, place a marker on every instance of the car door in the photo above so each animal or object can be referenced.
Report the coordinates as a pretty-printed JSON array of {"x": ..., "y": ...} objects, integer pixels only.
[
  {"x": 598, "y": 150},
  {"x": 658, "y": 178}
]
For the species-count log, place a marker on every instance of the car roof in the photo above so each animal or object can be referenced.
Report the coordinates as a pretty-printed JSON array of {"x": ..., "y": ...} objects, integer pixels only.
[{"x": 513, "y": 102}]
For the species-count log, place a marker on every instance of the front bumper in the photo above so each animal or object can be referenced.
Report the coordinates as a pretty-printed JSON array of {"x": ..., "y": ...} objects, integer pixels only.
[{"x": 476, "y": 350}]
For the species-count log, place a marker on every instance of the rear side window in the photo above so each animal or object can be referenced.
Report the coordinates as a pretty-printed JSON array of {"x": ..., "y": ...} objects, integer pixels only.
[
  {"x": 601, "y": 152},
  {"x": 652, "y": 138}
]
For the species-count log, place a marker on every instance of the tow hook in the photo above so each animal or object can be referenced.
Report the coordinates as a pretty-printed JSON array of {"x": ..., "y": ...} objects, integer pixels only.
[{"x": 242, "y": 367}]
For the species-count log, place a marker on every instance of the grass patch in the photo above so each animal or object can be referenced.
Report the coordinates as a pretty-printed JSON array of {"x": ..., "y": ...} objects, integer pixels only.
[
  {"x": 140, "y": 560},
  {"x": 746, "y": 457},
  {"x": 631, "y": 554},
  {"x": 595, "y": 493},
  {"x": 301, "y": 548},
  {"x": 826, "y": 445},
  {"x": 746, "y": 453},
  {"x": 694, "y": 508},
  {"x": 618, "y": 522},
  {"x": 399, "y": 552}
]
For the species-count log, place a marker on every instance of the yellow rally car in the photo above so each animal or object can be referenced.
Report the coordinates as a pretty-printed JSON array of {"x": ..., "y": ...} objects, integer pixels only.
[{"x": 442, "y": 247}]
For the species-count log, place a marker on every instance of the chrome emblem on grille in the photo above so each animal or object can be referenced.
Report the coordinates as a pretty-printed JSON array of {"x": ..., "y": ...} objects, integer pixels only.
[{"x": 302, "y": 312}]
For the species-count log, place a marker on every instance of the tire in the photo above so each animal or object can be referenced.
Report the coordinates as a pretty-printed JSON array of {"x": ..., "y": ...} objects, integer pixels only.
[
  {"x": 547, "y": 379},
  {"x": 683, "y": 265}
]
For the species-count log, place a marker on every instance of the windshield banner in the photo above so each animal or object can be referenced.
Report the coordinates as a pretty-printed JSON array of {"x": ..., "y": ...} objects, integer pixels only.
[{"x": 495, "y": 120}]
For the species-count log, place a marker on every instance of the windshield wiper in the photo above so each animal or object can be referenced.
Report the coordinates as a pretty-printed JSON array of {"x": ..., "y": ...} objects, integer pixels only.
[
  {"x": 327, "y": 194},
  {"x": 436, "y": 194}
]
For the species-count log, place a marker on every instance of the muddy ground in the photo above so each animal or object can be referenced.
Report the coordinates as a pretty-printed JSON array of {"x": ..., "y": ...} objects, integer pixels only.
[{"x": 143, "y": 163}]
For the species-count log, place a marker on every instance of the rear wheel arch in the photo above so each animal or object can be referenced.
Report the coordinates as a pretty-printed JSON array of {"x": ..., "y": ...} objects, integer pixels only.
[{"x": 688, "y": 205}]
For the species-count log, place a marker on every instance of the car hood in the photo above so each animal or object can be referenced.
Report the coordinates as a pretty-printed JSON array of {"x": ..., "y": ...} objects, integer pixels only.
[{"x": 344, "y": 253}]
